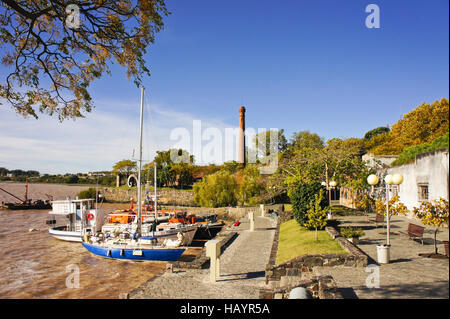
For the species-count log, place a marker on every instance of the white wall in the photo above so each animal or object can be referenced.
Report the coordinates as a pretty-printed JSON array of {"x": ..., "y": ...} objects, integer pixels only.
[{"x": 431, "y": 168}]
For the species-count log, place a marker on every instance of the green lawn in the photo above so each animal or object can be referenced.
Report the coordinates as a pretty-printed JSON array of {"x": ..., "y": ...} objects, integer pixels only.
[{"x": 296, "y": 241}]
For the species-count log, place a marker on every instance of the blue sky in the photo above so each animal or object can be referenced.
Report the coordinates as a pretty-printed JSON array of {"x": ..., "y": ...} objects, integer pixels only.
[{"x": 297, "y": 65}]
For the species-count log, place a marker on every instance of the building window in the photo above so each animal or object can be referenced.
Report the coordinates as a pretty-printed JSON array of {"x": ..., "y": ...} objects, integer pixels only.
[{"x": 423, "y": 192}]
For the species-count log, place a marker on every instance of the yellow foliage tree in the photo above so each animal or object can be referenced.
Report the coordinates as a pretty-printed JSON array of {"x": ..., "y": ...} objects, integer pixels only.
[
  {"x": 433, "y": 213},
  {"x": 317, "y": 216},
  {"x": 54, "y": 49},
  {"x": 422, "y": 125},
  {"x": 395, "y": 207}
]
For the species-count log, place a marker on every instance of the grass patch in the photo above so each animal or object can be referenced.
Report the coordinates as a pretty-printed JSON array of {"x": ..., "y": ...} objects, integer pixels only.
[
  {"x": 297, "y": 241},
  {"x": 288, "y": 207}
]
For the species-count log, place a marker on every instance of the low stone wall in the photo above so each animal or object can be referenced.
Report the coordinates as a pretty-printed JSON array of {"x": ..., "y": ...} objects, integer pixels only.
[
  {"x": 165, "y": 197},
  {"x": 302, "y": 265},
  {"x": 201, "y": 261},
  {"x": 322, "y": 287}
]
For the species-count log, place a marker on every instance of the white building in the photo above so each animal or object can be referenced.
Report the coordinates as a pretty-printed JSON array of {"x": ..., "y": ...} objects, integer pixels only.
[
  {"x": 424, "y": 180},
  {"x": 378, "y": 161}
]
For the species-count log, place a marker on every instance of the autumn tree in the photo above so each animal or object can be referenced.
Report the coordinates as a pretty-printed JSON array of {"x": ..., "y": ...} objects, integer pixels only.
[
  {"x": 125, "y": 167},
  {"x": 394, "y": 205},
  {"x": 434, "y": 213},
  {"x": 309, "y": 160},
  {"x": 420, "y": 126},
  {"x": 54, "y": 49}
]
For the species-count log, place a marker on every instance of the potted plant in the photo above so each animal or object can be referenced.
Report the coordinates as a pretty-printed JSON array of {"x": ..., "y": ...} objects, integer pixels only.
[{"x": 352, "y": 234}]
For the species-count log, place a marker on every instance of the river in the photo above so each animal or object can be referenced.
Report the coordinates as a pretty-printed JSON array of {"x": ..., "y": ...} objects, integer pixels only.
[{"x": 35, "y": 265}]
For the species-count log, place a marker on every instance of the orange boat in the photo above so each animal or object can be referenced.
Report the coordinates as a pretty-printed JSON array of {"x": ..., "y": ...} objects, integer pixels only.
[{"x": 126, "y": 216}]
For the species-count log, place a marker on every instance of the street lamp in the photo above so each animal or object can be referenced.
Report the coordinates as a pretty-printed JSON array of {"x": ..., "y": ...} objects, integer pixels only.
[
  {"x": 390, "y": 180},
  {"x": 372, "y": 180},
  {"x": 331, "y": 185}
]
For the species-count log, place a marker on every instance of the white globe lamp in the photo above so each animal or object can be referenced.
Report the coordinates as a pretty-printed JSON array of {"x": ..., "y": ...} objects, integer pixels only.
[{"x": 372, "y": 179}]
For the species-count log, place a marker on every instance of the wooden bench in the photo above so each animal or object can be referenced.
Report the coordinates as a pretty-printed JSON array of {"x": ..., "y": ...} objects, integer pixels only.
[
  {"x": 414, "y": 232},
  {"x": 379, "y": 218}
]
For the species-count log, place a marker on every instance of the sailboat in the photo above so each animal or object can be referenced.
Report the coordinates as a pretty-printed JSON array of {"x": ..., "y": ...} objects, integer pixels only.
[{"x": 131, "y": 243}]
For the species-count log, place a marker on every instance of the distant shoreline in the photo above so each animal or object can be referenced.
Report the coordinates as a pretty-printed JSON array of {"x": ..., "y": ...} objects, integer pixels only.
[{"x": 42, "y": 191}]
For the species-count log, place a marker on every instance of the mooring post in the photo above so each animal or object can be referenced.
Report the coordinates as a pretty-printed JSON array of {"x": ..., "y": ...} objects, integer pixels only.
[
  {"x": 251, "y": 217},
  {"x": 213, "y": 252},
  {"x": 262, "y": 210}
]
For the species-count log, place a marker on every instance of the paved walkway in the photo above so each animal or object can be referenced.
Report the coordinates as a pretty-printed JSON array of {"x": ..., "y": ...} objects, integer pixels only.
[
  {"x": 242, "y": 269},
  {"x": 407, "y": 275}
]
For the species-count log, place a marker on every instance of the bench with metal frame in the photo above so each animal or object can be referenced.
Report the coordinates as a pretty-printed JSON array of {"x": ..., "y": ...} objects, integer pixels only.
[
  {"x": 379, "y": 218},
  {"x": 414, "y": 232}
]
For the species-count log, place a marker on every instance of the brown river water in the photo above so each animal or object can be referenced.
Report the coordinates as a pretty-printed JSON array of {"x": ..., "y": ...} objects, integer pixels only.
[{"x": 36, "y": 265}]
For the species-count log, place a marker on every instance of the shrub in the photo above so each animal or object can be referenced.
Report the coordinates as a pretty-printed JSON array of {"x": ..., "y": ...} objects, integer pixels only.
[
  {"x": 350, "y": 232},
  {"x": 216, "y": 190},
  {"x": 395, "y": 207},
  {"x": 375, "y": 132},
  {"x": 88, "y": 193},
  {"x": 365, "y": 203},
  {"x": 317, "y": 215},
  {"x": 409, "y": 154},
  {"x": 301, "y": 198}
]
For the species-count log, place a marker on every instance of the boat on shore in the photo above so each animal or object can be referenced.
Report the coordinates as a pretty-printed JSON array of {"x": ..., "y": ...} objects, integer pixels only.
[
  {"x": 81, "y": 217},
  {"x": 24, "y": 203},
  {"x": 37, "y": 204}
]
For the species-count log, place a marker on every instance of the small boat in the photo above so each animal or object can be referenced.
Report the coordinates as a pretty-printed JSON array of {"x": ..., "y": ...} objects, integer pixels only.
[
  {"x": 37, "y": 204},
  {"x": 81, "y": 217},
  {"x": 208, "y": 226},
  {"x": 25, "y": 203}
]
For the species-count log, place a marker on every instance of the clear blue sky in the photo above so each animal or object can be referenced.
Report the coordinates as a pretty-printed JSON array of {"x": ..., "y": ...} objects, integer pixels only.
[{"x": 297, "y": 65}]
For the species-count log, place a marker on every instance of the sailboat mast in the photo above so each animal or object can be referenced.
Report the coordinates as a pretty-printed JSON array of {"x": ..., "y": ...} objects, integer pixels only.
[
  {"x": 156, "y": 201},
  {"x": 138, "y": 230}
]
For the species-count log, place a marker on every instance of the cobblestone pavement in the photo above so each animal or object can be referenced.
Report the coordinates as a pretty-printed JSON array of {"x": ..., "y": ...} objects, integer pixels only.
[
  {"x": 407, "y": 275},
  {"x": 242, "y": 269}
]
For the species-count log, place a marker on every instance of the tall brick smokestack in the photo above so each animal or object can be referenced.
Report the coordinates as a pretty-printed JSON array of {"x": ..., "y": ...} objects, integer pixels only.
[{"x": 241, "y": 151}]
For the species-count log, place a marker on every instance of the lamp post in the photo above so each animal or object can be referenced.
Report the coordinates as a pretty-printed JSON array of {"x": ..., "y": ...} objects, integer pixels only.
[
  {"x": 392, "y": 182},
  {"x": 331, "y": 185}
]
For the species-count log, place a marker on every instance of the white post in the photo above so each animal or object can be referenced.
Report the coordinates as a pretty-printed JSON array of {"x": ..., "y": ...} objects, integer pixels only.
[
  {"x": 262, "y": 210},
  {"x": 251, "y": 217},
  {"x": 388, "y": 228},
  {"x": 213, "y": 252}
]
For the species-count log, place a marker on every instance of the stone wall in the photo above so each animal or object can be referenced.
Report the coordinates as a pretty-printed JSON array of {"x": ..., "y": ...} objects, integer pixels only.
[
  {"x": 165, "y": 197},
  {"x": 184, "y": 200}
]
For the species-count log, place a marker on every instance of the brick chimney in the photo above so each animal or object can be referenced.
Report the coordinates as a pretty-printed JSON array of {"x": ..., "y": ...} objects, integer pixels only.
[{"x": 241, "y": 151}]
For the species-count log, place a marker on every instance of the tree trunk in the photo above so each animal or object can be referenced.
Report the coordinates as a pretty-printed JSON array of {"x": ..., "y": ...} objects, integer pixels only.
[
  {"x": 435, "y": 245},
  {"x": 316, "y": 235}
]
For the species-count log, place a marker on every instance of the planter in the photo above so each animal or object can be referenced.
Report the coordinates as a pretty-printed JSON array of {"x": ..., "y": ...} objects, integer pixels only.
[
  {"x": 383, "y": 252},
  {"x": 354, "y": 240}
]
